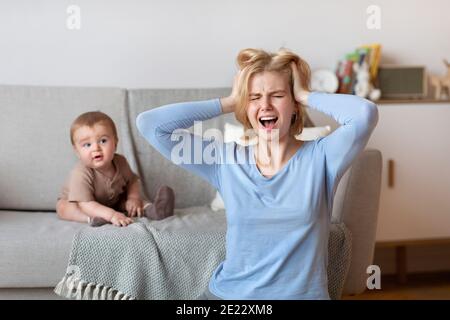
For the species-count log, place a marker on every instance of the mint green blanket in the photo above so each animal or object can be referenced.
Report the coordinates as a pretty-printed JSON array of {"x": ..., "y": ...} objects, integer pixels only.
[{"x": 170, "y": 259}]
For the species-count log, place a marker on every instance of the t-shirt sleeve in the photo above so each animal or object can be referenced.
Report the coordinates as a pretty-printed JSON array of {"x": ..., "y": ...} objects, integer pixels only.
[
  {"x": 81, "y": 185},
  {"x": 357, "y": 117}
]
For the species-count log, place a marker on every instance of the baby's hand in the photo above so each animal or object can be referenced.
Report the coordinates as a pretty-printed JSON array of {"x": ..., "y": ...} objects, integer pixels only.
[
  {"x": 134, "y": 207},
  {"x": 120, "y": 220}
]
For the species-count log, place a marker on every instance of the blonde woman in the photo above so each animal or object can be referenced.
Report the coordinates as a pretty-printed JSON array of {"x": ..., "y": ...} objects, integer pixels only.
[{"x": 278, "y": 193}]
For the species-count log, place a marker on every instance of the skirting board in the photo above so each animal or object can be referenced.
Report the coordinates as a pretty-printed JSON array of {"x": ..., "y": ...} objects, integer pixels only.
[{"x": 28, "y": 294}]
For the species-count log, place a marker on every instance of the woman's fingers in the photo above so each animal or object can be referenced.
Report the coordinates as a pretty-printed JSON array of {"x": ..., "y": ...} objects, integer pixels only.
[
  {"x": 300, "y": 94},
  {"x": 296, "y": 78},
  {"x": 237, "y": 84},
  {"x": 229, "y": 103}
]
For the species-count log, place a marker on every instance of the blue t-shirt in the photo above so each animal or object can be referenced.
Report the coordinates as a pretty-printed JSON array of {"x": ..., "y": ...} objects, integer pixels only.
[{"x": 277, "y": 227}]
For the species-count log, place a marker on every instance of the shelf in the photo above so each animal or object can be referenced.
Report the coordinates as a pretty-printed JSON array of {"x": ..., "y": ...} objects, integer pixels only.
[
  {"x": 394, "y": 101},
  {"x": 419, "y": 242}
]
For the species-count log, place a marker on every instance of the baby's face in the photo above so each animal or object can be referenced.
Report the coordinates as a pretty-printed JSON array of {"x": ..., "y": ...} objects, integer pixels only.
[{"x": 95, "y": 146}]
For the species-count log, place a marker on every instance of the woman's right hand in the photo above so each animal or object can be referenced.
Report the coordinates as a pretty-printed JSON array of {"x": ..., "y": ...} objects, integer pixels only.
[
  {"x": 300, "y": 93},
  {"x": 229, "y": 103},
  {"x": 120, "y": 220}
]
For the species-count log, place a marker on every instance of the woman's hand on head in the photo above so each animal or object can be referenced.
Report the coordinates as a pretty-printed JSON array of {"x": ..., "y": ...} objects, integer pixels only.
[
  {"x": 300, "y": 93},
  {"x": 229, "y": 103}
]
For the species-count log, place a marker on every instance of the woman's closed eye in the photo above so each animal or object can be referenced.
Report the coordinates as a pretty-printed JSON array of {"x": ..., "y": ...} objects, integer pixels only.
[{"x": 257, "y": 97}]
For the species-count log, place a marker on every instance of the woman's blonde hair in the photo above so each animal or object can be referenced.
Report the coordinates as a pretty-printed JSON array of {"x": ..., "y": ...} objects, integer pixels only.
[{"x": 253, "y": 61}]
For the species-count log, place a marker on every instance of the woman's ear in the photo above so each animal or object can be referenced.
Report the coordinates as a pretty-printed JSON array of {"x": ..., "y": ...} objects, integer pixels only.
[
  {"x": 297, "y": 106},
  {"x": 294, "y": 117}
]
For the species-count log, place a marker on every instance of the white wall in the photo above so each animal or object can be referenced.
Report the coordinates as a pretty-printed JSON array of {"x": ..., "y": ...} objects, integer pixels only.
[{"x": 169, "y": 43}]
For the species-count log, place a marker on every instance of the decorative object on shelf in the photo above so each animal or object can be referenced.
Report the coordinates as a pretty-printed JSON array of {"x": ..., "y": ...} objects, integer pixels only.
[
  {"x": 360, "y": 66},
  {"x": 441, "y": 84},
  {"x": 402, "y": 82},
  {"x": 364, "y": 87},
  {"x": 324, "y": 80}
]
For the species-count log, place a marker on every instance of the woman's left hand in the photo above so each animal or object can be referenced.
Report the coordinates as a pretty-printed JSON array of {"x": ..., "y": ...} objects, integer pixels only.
[{"x": 300, "y": 94}]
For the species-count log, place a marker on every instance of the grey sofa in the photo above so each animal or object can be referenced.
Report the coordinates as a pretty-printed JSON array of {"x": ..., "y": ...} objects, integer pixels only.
[{"x": 36, "y": 157}]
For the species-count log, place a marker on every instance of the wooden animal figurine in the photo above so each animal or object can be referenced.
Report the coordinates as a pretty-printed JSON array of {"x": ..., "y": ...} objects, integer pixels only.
[{"x": 441, "y": 84}]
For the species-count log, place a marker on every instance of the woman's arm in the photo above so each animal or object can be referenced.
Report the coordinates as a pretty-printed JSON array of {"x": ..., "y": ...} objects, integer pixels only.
[
  {"x": 165, "y": 129},
  {"x": 357, "y": 117}
]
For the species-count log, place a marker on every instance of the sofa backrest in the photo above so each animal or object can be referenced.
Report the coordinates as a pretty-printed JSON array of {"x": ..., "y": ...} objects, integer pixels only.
[
  {"x": 154, "y": 169},
  {"x": 36, "y": 154}
]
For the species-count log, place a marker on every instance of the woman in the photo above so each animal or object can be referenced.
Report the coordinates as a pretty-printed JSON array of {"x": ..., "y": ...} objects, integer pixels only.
[{"x": 278, "y": 192}]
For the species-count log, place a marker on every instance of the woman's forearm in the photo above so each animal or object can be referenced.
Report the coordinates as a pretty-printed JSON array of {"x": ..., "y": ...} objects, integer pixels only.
[
  {"x": 159, "y": 123},
  {"x": 164, "y": 128},
  {"x": 345, "y": 108},
  {"x": 358, "y": 118}
]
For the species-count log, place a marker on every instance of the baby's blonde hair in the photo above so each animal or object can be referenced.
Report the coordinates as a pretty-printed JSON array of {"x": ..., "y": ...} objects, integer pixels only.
[
  {"x": 253, "y": 61},
  {"x": 90, "y": 119}
]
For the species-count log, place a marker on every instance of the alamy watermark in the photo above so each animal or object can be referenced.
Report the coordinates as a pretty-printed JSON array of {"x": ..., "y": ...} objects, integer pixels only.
[
  {"x": 73, "y": 21},
  {"x": 374, "y": 280},
  {"x": 373, "y": 21},
  {"x": 208, "y": 147}
]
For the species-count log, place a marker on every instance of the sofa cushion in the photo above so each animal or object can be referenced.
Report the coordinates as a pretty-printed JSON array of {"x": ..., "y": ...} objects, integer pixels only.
[
  {"x": 35, "y": 248},
  {"x": 156, "y": 170},
  {"x": 36, "y": 152}
]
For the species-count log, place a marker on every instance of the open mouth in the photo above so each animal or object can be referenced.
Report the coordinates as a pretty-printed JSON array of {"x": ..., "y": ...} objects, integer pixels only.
[
  {"x": 98, "y": 158},
  {"x": 268, "y": 122}
]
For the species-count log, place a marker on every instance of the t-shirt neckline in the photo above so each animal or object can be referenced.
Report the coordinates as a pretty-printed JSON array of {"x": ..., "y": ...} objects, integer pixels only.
[{"x": 280, "y": 172}]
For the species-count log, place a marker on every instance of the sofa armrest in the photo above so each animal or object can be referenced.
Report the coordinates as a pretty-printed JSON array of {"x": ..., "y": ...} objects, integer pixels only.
[{"x": 356, "y": 204}]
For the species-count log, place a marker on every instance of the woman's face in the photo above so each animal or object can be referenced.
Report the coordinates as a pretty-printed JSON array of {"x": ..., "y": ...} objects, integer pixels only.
[{"x": 271, "y": 104}]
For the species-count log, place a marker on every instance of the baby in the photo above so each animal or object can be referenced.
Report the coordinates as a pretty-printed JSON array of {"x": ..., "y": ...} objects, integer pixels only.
[{"x": 102, "y": 188}]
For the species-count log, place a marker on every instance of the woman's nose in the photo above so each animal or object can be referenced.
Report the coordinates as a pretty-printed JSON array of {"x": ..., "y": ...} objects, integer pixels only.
[{"x": 265, "y": 103}]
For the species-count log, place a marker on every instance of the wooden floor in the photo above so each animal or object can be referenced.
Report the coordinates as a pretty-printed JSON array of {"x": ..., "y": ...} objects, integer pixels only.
[{"x": 431, "y": 286}]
